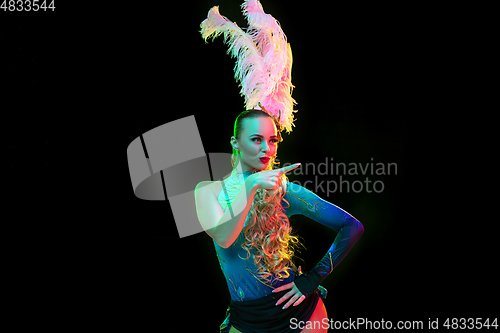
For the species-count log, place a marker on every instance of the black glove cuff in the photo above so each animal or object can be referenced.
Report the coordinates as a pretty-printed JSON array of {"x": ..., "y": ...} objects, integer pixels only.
[{"x": 308, "y": 282}]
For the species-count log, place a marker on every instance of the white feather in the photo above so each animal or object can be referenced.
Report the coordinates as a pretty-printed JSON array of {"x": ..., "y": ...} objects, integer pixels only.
[{"x": 263, "y": 59}]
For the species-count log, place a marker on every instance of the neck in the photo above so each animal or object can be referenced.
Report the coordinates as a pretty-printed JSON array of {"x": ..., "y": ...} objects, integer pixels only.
[{"x": 240, "y": 168}]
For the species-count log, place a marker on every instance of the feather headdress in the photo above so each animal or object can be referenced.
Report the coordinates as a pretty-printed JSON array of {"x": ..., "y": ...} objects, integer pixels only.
[{"x": 263, "y": 60}]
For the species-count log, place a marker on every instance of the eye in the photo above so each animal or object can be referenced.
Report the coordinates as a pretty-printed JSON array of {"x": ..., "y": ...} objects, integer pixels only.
[
  {"x": 274, "y": 140},
  {"x": 253, "y": 140}
]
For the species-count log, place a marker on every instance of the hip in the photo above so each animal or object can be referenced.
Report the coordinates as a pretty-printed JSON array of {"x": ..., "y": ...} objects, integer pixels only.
[{"x": 300, "y": 323}]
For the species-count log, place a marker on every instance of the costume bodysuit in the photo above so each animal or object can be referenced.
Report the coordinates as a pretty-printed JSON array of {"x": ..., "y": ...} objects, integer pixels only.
[{"x": 240, "y": 274}]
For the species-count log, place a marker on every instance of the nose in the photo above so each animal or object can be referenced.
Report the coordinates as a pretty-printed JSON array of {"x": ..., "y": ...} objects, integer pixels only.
[{"x": 265, "y": 146}]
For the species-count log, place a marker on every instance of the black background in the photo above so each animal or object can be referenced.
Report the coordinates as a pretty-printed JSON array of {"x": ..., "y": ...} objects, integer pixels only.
[{"x": 81, "y": 83}]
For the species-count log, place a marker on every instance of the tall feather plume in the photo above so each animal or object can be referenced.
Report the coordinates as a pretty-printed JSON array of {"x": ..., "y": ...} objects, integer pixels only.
[
  {"x": 271, "y": 41},
  {"x": 249, "y": 68},
  {"x": 263, "y": 59}
]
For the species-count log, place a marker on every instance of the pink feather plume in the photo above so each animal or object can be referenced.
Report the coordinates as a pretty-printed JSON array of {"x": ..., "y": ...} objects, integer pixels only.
[{"x": 263, "y": 59}]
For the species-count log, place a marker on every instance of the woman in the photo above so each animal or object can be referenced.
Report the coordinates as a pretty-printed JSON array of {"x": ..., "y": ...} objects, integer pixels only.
[{"x": 247, "y": 215}]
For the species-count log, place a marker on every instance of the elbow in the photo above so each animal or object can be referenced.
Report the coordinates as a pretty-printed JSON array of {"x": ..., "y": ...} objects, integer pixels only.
[
  {"x": 355, "y": 225},
  {"x": 360, "y": 227},
  {"x": 219, "y": 239},
  {"x": 223, "y": 242}
]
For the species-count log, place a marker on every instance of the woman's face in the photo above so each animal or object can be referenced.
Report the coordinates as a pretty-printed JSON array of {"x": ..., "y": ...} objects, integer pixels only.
[{"x": 257, "y": 143}]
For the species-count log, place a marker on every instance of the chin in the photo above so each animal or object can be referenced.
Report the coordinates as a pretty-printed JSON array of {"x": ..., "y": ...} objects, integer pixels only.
[
  {"x": 261, "y": 166},
  {"x": 257, "y": 166}
]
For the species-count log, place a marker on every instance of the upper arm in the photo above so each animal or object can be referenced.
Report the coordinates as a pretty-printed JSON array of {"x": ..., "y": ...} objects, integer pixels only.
[
  {"x": 208, "y": 208},
  {"x": 304, "y": 202}
]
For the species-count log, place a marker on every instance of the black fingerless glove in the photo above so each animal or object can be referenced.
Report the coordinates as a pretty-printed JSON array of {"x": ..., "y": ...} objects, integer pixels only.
[{"x": 308, "y": 282}]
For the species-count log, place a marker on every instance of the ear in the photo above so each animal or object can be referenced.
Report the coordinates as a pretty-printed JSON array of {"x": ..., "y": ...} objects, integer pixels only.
[{"x": 234, "y": 143}]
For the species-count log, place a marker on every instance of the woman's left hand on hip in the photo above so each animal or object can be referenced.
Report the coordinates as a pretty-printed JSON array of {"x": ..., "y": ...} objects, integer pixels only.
[{"x": 296, "y": 297}]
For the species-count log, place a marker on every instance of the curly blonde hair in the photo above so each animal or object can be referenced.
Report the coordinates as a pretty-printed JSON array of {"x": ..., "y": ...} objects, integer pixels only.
[{"x": 268, "y": 235}]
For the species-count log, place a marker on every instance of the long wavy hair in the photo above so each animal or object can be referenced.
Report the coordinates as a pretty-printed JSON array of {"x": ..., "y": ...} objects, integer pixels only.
[{"x": 268, "y": 235}]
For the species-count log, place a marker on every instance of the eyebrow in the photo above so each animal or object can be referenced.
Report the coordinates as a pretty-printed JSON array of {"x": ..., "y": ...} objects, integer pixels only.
[{"x": 272, "y": 136}]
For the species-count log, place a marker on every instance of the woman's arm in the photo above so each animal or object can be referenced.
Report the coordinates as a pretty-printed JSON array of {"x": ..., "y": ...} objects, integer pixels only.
[
  {"x": 302, "y": 201},
  {"x": 223, "y": 227}
]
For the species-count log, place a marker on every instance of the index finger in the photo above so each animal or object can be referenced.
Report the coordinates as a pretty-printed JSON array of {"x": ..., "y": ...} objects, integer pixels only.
[{"x": 287, "y": 168}]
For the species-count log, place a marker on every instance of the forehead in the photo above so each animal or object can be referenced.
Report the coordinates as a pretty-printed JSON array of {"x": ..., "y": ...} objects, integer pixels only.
[{"x": 259, "y": 125}]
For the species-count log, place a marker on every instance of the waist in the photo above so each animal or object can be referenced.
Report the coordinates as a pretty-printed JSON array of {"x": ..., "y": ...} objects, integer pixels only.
[{"x": 262, "y": 315}]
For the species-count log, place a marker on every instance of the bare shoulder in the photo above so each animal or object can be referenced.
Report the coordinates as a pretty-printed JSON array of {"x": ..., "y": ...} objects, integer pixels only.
[{"x": 209, "y": 187}]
